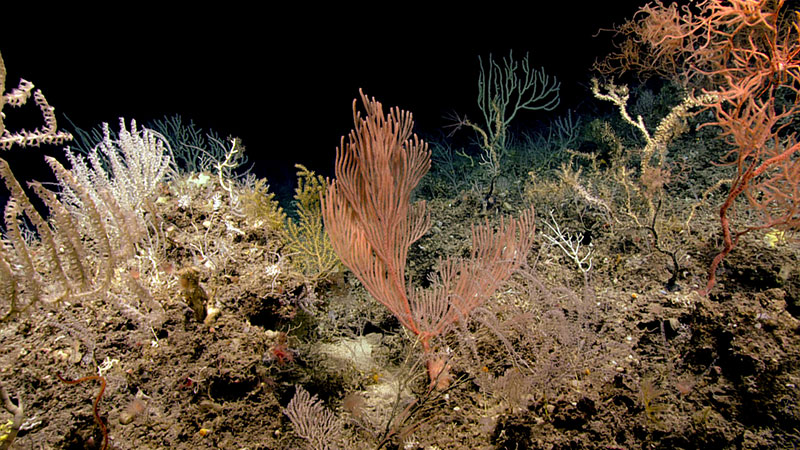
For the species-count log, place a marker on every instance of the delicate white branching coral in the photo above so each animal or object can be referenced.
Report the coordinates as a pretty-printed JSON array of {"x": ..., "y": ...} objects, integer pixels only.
[
  {"x": 570, "y": 244},
  {"x": 129, "y": 167}
]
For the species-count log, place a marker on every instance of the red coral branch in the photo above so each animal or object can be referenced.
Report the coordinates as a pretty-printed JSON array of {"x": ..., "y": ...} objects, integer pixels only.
[{"x": 97, "y": 417}]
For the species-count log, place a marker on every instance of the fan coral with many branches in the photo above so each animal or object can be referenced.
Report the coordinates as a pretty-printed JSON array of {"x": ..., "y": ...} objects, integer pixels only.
[{"x": 372, "y": 223}]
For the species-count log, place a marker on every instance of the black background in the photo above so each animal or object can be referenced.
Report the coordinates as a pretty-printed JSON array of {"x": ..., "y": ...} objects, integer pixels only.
[{"x": 284, "y": 81}]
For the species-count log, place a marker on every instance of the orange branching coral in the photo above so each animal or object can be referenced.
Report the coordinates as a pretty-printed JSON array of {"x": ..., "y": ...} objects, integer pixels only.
[
  {"x": 767, "y": 170},
  {"x": 710, "y": 43},
  {"x": 653, "y": 43},
  {"x": 372, "y": 224},
  {"x": 742, "y": 52}
]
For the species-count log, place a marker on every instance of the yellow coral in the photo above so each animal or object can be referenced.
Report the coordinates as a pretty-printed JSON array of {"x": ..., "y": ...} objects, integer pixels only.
[
  {"x": 261, "y": 207},
  {"x": 312, "y": 254},
  {"x": 775, "y": 237}
]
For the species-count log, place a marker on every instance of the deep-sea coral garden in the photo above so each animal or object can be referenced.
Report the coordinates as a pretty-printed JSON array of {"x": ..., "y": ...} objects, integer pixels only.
[{"x": 411, "y": 301}]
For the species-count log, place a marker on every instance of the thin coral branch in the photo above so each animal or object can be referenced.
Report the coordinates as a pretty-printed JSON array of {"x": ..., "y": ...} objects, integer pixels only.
[{"x": 95, "y": 412}]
